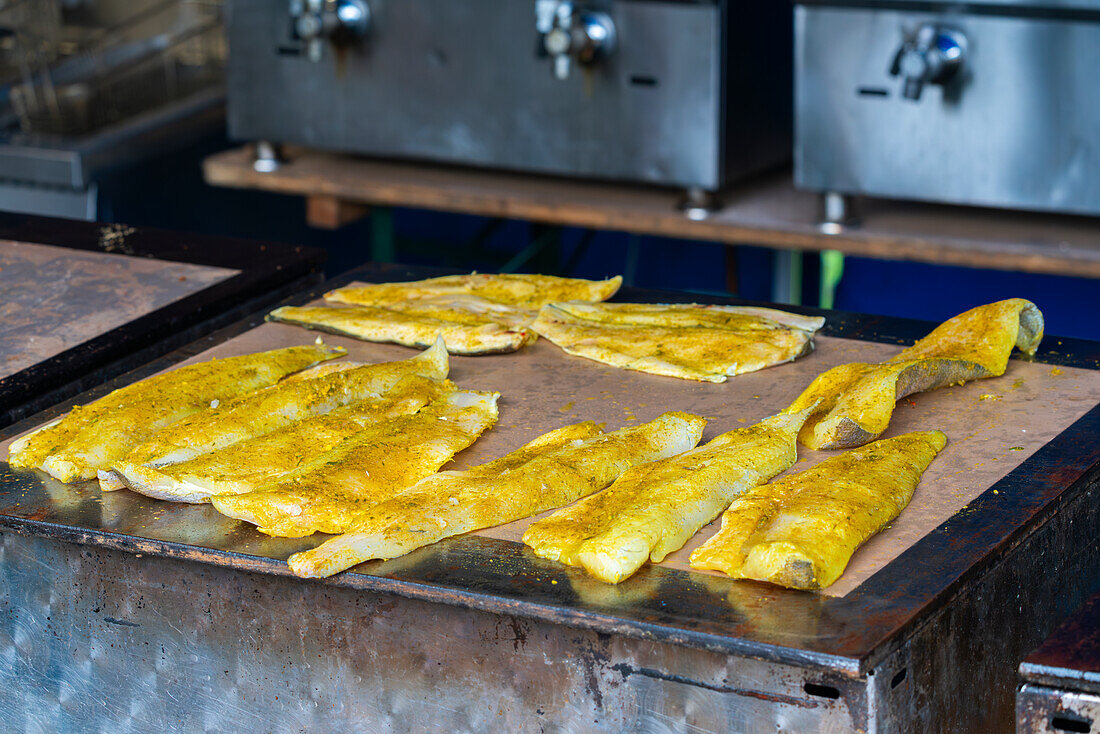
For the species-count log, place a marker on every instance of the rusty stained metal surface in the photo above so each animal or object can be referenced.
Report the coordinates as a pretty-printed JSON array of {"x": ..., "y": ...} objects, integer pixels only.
[
  {"x": 1070, "y": 657},
  {"x": 959, "y": 663},
  {"x": 86, "y": 302},
  {"x": 1042, "y": 710},
  {"x": 93, "y": 639},
  {"x": 55, "y": 298}
]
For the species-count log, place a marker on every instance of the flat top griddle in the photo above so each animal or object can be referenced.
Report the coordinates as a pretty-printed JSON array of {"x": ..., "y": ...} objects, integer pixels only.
[
  {"x": 81, "y": 302},
  {"x": 1014, "y": 459},
  {"x": 56, "y": 298}
]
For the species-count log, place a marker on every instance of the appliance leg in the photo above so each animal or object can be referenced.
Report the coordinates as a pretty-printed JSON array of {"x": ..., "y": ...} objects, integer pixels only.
[
  {"x": 698, "y": 203},
  {"x": 837, "y": 212},
  {"x": 269, "y": 156},
  {"x": 787, "y": 277}
]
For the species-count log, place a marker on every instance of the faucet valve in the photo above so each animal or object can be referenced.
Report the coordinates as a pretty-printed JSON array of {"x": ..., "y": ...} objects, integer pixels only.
[
  {"x": 931, "y": 54},
  {"x": 569, "y": 34}
]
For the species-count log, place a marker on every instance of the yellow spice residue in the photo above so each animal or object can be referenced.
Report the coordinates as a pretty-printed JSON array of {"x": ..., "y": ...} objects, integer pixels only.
[
  {"x": 988, "y": 396},
  {"x": 1055, "y": 371}
]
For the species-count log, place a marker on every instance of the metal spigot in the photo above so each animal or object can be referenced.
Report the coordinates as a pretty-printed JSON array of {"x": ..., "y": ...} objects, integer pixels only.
[
  {"x": 931, "y": 54},
  {"x": 568, "y": 33},
  {"x": 341, "y": 21}
]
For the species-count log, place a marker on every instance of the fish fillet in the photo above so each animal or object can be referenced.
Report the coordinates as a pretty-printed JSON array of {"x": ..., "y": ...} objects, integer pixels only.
[
  {"x": 464, "y": 308},
  {"x": 464, "y": 331},
  {"x": 524, "y": 291},
  {"x": 250, "y": 464},
  {"x": 328, "y": 493},
  {"x": 856, "y": 401},
  {"x": 553, "y": 470},
  {"x": 801, "y": 531},
  {"x": 652, "y": 510},
  {"x": 690, "y": 341},
  {"x": 278, "y": 406},
  {"x": 321, "y": 370},
  {"x": 90, "y": 437}
]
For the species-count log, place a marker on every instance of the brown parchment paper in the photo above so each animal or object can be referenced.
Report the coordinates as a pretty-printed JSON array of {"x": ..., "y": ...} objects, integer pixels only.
[
  {"x": 992, "y": 425},
  {"x": 54, "y": 298}
]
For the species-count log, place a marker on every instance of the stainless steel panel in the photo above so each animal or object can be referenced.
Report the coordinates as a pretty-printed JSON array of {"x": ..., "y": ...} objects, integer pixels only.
[
  {"x": 1021, "y": 129},
  {"x": 461, "y": 82},
  {"x": 989, "y": 5},
  {"x": 49, "y": 201},
  {"x": 42, "y": 166},
  {"x": 75, "y": 163},
  {"x": 100, "y": 640}
]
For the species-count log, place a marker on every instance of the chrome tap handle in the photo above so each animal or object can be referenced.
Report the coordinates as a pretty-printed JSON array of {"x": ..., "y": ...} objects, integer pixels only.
[
  {"x": 568, "y": 33},
  {"x": 932, "y": 54},
  {"x": 340, "y": 21}
]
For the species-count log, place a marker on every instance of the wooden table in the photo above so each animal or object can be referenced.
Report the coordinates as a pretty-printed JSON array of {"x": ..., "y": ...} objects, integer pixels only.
[{"x": 767, "y": 211}]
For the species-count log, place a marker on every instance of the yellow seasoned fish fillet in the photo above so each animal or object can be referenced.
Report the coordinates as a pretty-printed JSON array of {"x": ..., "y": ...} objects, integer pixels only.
[
  {"x": 321, "y": 370},
  {"x": 330, "y": 492},
  {"x": 465, "y": 332},
  {"x": 249, "y": 465},
  {"x": 689, "y": 341},
  {"x": 801, "y": 531},
  {"x": 690, "y": 314},
  {"x": 464, "y": 308},
  {"x": 856, "y": 401},
  {"x": 525, "y": 291},
  {"x": 90, "y": 437},
  {"x": 554, "y": 469},
  {"x": 279, "y": 406},
  {"x": 652, "y": 510}
]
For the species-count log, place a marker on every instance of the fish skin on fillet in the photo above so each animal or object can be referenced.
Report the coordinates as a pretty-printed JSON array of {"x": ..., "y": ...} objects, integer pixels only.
[
  {"x": 550, "y": 471},
  {"x": 856, "y": 401}
]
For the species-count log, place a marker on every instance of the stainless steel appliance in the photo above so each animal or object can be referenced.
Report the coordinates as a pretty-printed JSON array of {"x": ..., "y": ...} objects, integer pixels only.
[
  {"x": 690, "y": 94},
  {"x": 990, "y": 103},
  {"x": 89, "y": 87}
]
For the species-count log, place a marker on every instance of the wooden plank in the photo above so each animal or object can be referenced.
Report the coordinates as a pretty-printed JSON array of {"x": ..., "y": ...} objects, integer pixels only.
[
  {"x": 767, "y": 211},
  {"x": 330, "y": 212}
]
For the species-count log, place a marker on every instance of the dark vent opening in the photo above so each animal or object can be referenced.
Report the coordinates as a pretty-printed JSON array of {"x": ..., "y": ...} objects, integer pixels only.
[
  {"x": 898, "y": 678},
  {"x": 641, "y": 80},
  {"x": 873, "y": 92},
  {"x": 816, "y": 689},
  {"x": 1066, "y": 723},
  {"x": 288, "y": 51}
]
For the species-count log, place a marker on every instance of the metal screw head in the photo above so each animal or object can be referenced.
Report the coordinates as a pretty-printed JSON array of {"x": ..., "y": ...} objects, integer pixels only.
[
  {"x": 308, "y": 26},
  {"x": 558, "y": 42}
]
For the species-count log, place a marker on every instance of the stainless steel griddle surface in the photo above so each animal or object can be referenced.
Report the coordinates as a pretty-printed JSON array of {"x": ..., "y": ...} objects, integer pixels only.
[{"x": 1016, "y": 444}]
